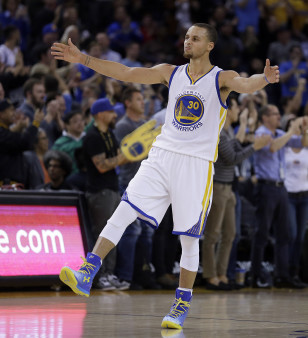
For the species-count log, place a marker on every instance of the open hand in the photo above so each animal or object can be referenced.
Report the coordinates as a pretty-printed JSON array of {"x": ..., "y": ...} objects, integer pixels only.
[
  {"x": 271, "y": 72},
  {"x": 69, "y": 53}
]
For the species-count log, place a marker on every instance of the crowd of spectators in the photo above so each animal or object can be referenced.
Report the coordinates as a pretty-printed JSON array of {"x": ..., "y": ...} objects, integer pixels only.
[{"x": 49, "y": 123}]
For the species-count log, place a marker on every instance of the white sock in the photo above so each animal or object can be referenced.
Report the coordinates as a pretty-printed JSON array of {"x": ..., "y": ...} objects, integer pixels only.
[{"x": 183, "y": 289}]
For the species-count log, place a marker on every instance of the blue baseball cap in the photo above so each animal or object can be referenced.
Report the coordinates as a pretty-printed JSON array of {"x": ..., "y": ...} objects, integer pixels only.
[
  {"x": 50, "y": 28},
  {"x": 101, "y": 105}
]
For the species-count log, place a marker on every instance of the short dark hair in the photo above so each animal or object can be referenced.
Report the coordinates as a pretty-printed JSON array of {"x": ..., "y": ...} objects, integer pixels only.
[
  {"x": 265, "y": 110},
  {"x": 128, "y": 93},
  {"x": 57, "y": 155},
  {"x": 29, "y": 84},
  {"x": 67, "y": 117},
  {"x": 8, "y": 31},
  {"x": 211, "y": 31}
]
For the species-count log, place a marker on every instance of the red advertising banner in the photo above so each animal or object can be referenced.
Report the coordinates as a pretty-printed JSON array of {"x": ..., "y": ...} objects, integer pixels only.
[
  {"x": 39, "y": 240},
  {"x": 47, "y": 319}
]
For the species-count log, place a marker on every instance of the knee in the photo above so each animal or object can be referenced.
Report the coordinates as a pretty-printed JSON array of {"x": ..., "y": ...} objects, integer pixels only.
[{"x": 190, "y": 253}]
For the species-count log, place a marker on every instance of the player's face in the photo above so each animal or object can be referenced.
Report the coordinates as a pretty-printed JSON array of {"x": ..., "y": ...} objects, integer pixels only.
[{"x": 196, "y": 43}]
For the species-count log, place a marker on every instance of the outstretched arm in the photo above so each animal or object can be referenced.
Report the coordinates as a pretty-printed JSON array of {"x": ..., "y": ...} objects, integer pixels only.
[
  {"x": 232, "y": 81},
  {"x": 70, "y": 53}
]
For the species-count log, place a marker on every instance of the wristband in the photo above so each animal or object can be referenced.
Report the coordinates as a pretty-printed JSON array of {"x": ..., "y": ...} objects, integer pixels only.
[{"x": 265, "y": 78}]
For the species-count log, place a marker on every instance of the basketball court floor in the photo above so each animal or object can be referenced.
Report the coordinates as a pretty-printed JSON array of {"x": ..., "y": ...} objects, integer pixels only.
[{"x": 245, "y": 313}]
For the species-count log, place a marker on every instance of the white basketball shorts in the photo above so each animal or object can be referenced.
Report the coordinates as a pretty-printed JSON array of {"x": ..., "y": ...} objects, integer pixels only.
[{"x": 166, "y": 177}]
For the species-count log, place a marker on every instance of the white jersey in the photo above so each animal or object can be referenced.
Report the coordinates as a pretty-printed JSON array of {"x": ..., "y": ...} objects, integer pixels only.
[{"x": 195, "y": 115}]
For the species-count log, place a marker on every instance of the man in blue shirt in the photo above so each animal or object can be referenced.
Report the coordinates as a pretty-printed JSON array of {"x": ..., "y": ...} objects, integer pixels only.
[{"x": 272, "y": 197}]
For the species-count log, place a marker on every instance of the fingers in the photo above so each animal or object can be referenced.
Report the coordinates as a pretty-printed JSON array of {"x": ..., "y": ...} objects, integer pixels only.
[
  {"x": 58, "y": 46},
  {"x": 267, "y": 63},
  {"x": 70, "y": 43},
  {"x": 57, "y": 55}
]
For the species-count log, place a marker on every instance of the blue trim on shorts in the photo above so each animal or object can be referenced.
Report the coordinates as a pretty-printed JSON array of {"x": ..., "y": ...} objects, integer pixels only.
[
  {"x": 187, "y": 233},
  {"x": 125, "y": 199},
  {"x": 147, "y": 222}
]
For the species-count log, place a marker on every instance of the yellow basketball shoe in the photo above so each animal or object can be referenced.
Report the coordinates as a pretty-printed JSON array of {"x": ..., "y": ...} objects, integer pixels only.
[
  {"x": 179, "y": 310},
  {"x": 81, "y": 281}
]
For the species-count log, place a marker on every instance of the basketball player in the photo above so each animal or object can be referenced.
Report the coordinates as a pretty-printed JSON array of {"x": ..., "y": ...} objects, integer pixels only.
[{"x": 179, "y": 168}]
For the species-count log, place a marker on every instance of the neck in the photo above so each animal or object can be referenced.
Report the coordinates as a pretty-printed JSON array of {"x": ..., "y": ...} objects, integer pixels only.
[
  {"x": 75, "y": 135},
  {"x": 273, "y": 130},
  {"x": 57, "y": 183},
  {"x": 199, "y": 66},
  {"x": 10, "y": 44},
  {"x": 29, "y": 102},
  {"x": 134, "y": 115},
  {"x": 101, "y": 126}
]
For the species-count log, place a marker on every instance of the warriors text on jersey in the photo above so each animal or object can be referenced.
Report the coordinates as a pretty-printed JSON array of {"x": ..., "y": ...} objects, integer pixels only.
[{"x": 195, "y": 115}]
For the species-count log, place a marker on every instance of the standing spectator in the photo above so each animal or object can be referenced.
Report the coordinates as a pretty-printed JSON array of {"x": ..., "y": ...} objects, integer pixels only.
[
  {"x": 13, "y": 72},
  {"x": 14, "y": 13},
  {"x": 278, "y": 50},
  {"x": 132, "y": 55},
  {"x": 123, "y": 30},
  {"x": 137, "y": 231},
  {"x": 72, "y": 136},
  {"x": 34, "y": 93},
  {"x": 297, "y": 186},
  {"x": 37, "y": 172},
  {"x": 107, "y": 53},
  {"x": 292, "y": 71},
  {"x": 50, "y": 34},
  {"x": 102, "y": 156},
  {"x": 58, "y": 165},
  {"x": 272, "y": 199},
  {"x": 220, "y": 228},
  {"x": 12, "y": 144},
  {"x": 228, "y": 49},
  {"x": 248, "y": 13}
]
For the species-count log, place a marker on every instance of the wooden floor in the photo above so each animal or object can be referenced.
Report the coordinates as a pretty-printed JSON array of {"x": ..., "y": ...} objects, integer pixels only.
[{"x": 245, "y": 313}]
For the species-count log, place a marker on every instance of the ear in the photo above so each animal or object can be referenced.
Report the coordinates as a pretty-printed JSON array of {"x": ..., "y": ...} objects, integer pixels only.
[{"x": 210, "y": 45}]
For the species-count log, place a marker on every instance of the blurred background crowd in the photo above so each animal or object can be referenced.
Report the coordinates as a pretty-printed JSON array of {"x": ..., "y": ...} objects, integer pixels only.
[{"x": 49, "y": 135}]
